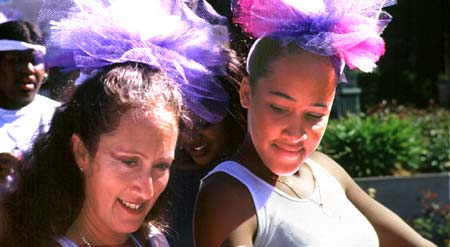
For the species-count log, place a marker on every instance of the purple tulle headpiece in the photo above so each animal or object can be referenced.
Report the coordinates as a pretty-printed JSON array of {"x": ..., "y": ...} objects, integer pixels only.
[
  {"x": 91, "y": 34},
  {"x": 346, "y": 30},
  {"x": 10, "y": 15}
]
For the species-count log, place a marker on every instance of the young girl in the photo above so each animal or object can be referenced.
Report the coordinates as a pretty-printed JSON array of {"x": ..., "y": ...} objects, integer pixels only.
[{"x": 277, "y": 190}]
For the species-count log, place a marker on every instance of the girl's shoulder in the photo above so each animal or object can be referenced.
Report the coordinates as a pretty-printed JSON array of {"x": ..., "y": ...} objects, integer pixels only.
[
  {"x": 334, "y": 168},
  {"x": 222, "y": 204}
]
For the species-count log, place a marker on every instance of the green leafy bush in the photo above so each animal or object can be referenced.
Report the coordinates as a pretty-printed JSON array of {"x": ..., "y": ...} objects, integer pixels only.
[
  {"x": 434, "y": 125},
  {"x": 373, "y": 145},
  {"x": 435, "y": 130}
]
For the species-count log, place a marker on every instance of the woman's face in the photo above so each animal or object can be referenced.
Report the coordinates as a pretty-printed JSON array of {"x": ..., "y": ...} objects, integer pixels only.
[
  {"x": 22, "y": 74},
  {"x": 288, "y": 110},
  {"x": 205, "y": 142},
  {"x": 128, "y": 172}
]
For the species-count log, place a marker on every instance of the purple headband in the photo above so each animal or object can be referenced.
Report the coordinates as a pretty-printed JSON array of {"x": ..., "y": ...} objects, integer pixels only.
[
  {"x": 91, "y": 34},
  {"x": 348, "y": 31}
]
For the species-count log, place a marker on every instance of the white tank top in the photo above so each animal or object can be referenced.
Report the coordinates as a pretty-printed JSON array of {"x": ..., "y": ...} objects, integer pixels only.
[{"x": 287, "y": 221}]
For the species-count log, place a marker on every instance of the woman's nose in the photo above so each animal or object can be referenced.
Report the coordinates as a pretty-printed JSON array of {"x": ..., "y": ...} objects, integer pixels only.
[{"x": 145, "y": 188}]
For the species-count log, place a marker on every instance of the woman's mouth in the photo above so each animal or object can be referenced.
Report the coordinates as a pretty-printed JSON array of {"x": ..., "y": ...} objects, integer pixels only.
[
  {"x": 130, "y": 205},
  {"x": 28, "y": 87}
]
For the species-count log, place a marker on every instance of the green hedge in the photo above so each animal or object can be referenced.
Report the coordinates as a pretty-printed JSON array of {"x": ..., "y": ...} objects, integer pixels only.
[
  {"x": 387, "y": 142},
  {"x": 435, "y": 129}
]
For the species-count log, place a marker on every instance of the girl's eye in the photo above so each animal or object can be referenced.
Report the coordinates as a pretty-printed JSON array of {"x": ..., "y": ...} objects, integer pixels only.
[
  {"x": 162, "y": 166},
  {"x": 277, "y": 109},
  {"x": 315, "y": 116},
  {"x": 202, "y": 124}
]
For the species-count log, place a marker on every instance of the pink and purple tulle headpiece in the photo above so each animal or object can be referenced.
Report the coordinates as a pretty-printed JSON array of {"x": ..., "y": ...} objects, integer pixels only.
[
  {"x": 346, "y": 30},
  {"x": 91, "y": 34}
]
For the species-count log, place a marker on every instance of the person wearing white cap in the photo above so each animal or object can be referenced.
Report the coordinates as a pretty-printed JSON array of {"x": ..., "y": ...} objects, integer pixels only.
[{"x": 23, "y": 112}]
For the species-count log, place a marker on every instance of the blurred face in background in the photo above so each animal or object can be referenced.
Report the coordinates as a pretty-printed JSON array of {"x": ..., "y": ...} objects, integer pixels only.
[
  {"x": 205, "y": 142},
  {"x": 22, "y": 74}
]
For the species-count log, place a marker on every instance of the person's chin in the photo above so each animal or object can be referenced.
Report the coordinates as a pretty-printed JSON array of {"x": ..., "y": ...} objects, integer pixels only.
[
  {"x": 203, "y": 161},
  {"x": 26, "y": 97}
]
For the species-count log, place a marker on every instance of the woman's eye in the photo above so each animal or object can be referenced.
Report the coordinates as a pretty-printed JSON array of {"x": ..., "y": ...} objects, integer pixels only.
[
  {"x": 278, "y": 109},
  {"x": 129, "y": 162},
  {"x": 162, "y": 166}
]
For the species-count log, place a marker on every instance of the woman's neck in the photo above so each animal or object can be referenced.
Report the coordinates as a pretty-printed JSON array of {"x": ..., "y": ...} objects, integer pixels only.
[
  {"x": 85, "y": 229},
  {"x": 247, "y": 156}
]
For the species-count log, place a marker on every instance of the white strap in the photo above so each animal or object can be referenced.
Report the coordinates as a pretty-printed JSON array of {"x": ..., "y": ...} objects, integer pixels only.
[{"x": 15, "y": 45}]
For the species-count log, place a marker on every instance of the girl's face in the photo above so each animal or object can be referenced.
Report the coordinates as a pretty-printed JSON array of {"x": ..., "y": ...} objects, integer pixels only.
[
  {"x": 128, "y": 172},
  {"x": 288, "y": 110}
]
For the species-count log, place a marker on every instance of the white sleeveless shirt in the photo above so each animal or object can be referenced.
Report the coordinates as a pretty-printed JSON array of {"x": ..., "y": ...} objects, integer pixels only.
[{"x": 287, "y": 221}]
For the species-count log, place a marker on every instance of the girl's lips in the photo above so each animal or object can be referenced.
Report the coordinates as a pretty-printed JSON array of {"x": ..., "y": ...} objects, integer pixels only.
[
  {"x": 198, "y": 150},
  {"x": 289, "y": 148},
  {"x": 199, "y": 147},
  {"x": 288, "y": 152}
]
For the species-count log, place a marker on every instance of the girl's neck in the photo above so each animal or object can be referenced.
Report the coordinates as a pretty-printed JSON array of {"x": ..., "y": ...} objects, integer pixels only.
[{"x": 247, "y": 156}]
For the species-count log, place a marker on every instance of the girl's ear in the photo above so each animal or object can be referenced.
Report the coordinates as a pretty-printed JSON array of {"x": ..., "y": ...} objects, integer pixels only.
[
  {"x": 80, "y": 152},
  {"x": 245, "y": 92}
]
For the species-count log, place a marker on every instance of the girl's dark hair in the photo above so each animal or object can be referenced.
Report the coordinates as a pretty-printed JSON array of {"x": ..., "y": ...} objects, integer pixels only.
[
  {"x": 264, "y": 53},
  {"x": 236, "y": 113},
  {"x": 49, "y": 191},
  {"x": 22, "y": 31}
]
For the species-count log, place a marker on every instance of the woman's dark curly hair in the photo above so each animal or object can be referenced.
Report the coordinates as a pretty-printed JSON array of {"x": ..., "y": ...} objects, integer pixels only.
[{"x": 49, "y": 190}]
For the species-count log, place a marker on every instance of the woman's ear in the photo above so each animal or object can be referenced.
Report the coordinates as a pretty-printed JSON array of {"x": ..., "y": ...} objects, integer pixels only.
[
  {"x": 245, "y": 91},
  {"x": 80, "y": 152}
]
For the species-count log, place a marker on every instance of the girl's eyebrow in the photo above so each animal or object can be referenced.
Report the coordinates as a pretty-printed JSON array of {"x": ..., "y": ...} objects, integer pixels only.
[
  {"x": 282, "y": 95},
  {"x": 287, "y": 97}
]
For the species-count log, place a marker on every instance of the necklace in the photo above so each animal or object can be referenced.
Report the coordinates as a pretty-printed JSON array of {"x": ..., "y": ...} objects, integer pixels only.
[
  {"x": 298, "y": 195},
  {"x": 85, "y": 242}
]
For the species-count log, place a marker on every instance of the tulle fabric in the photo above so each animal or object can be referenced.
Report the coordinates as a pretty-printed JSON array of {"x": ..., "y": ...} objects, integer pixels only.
[
  {"x": 91, "y": 34},
  {"x": 347, "y": 29},
  {"x": 10, "y": 14}
]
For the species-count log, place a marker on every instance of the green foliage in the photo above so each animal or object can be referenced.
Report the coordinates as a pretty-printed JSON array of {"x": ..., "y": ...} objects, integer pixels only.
[
  {"x": 434, "y": 125},
  {"x": 373, "y": 145},
  {"x": 434, "y": 223},
  {"x": 435, "y": 130},
  {"x": 390, "y": 140}
]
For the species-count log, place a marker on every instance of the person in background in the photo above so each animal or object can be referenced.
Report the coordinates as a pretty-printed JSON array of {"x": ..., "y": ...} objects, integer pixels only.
[
  {"x": 203, "y": 145},
  {"x": 98, "y": 176},
  {"x": 277, "y": 190},
  {"x": 23, "y": 112}
]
